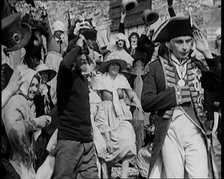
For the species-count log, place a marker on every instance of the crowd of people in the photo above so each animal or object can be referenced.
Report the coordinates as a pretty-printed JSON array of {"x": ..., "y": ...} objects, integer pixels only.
[{"x": 68, "y": 106}]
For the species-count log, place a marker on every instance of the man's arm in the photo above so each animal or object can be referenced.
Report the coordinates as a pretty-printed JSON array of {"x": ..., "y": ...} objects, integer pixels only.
[
  {"x": 121, "y": 25},
  {"x": 152, "y": 99},
  {"x": 70, "y": 58},
  {"x": 14, "y": 84},
  {"x": 170, "y": 8},
  {"x": 203, "y": 47},
  {"x": 65, "y": 76},
  {"x": 215, "y": 66}
]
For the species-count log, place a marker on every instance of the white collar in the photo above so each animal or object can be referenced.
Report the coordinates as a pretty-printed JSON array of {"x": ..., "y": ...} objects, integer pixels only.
[{"x": 176, "y": 61}]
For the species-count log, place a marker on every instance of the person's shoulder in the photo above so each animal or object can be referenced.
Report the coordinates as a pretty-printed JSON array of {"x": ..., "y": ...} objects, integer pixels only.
[
  {"x": 200, "y": 64},
  {"x": 16, "y": 101},
  {"x": 17, "y": 98},
  {"x": 121, "y": 76},
  {"x": 155, "y": 63}
]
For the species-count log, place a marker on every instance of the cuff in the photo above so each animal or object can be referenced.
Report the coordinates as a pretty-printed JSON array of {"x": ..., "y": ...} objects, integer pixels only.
[{"x": 213, "y": 62}]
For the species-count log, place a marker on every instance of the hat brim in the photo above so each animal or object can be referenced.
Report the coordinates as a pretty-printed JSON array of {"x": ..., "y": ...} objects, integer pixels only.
[
  {"x": 50, "y": 73},
  {"x": 129, "y": 5},
  {"x": 104, "y": 66},
  {"x": 152, "y": 17},
  {"x": 26, "y": 35}
]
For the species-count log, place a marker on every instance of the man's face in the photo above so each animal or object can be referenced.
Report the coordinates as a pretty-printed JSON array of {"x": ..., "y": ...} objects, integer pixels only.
[
  {"x": 120, "y": 44},
  {"x": 83, "y": 63},
  {"x": 134, "y": 40},
  {"x": 181, "y": 46}
]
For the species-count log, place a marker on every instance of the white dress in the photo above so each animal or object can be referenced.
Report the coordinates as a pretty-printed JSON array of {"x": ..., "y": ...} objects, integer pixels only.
[{"x": 114, "y": 116}]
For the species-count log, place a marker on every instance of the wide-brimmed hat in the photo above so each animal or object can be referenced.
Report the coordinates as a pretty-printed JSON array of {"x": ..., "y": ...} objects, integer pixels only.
[
  {"x": 112, "y": 57},
  {"x": 43, "y": 69},
  {"x": 149, "y": 16},
  {"x": 172, "y": 28},
  {"x": 15, "y": 34},
  {"x": 129, "y": 4}
]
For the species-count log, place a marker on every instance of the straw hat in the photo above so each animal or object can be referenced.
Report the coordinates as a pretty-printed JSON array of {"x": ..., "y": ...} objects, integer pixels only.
[
  {"x": 112, "y": 58},
  {"x": 43, "y": 70}
]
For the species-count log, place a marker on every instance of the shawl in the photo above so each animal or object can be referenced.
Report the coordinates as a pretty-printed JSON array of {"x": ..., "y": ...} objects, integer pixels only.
[{"x": 105, "y": 82}]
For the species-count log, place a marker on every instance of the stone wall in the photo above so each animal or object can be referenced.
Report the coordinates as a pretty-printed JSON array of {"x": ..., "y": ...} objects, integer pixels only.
[{"x": 207, "y": 16}]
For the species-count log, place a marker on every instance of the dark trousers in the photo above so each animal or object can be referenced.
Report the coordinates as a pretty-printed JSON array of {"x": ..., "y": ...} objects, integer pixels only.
[{"x": 75, "y": 160}]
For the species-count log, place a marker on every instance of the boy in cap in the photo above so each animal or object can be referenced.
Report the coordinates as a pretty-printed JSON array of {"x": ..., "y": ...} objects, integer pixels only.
[{"x": 172, "y": 89}]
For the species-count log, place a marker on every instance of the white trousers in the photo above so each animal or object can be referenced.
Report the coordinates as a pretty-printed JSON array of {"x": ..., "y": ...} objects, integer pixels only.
[{"x": 184, "y": 153}]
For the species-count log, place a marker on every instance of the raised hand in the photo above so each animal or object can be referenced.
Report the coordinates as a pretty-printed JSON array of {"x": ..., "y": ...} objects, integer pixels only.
[
  {"x": 202, "y": 44},
  {"x": 123, "y": 15},
  {"x": 81, "y": 41}
]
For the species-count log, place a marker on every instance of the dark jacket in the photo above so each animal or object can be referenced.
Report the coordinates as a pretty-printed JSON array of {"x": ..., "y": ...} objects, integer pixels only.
[
  {"x": 156, "y": 97},
  {"x": 73, "y": 100}
]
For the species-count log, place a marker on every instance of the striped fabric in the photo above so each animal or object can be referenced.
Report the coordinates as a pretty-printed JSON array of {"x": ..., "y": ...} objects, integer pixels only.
[
  {"x": 186, "y": 93},
  {"x": 196, "y": 95},
  {"x": 170, "y": 79}
]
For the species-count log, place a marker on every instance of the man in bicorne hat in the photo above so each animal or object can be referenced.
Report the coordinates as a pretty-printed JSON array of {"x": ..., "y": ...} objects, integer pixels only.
[{"x": 172, "y": 89}]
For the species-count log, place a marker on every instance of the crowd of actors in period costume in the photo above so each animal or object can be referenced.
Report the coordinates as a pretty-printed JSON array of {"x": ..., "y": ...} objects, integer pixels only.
[{"x": 68, "y": 103}]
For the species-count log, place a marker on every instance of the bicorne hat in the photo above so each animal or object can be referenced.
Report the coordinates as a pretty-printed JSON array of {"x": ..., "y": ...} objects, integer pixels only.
[
  {"x": 173, "y": 27},
  {"x": 15, "y": 34}
]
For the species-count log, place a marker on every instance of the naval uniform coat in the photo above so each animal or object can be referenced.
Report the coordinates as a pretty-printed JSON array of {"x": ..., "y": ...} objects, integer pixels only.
[
  {"x": 158, "y": 97},
  {"x": 155, "y": 97}
]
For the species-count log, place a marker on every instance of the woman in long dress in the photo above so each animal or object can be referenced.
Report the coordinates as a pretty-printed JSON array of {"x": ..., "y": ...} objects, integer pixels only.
[{"x": 114, "y": 116}]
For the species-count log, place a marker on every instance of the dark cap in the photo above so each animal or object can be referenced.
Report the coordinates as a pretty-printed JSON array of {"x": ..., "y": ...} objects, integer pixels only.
[{"x": 15, "y": 34}]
